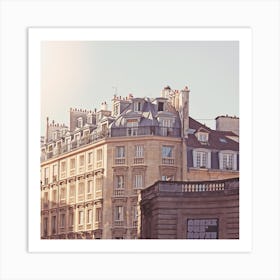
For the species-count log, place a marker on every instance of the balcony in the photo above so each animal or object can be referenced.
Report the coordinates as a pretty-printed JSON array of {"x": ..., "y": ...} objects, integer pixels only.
[
  {"x": 99, "y": 164},
  {"x": 119, "y": 161},
  {"x": 80, "y": 227},
  {"x": 138, "y": 161},
  {"x": 97, "y": 225},
  {"x": 119, "y": 192},
  {"x": 146, "y": 131},
  {"x": 168, "y": 161},
  {"x": 113, "y": 132},
  {"x": 119, "y": 223}
]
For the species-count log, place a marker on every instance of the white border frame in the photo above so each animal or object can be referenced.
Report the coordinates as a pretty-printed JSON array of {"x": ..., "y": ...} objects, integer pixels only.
[{"x": 243, "y": 35}]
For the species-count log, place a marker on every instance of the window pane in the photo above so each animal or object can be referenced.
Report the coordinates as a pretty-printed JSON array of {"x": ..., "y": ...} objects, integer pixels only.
[
  {"x": 120, "y": 152},
  {"x": 167, "y": 151},
  {"x": 139, "y": 151}
]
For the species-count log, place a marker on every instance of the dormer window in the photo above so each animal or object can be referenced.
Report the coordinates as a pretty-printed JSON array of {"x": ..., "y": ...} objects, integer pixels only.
[
  {"x": 89, "y": 119},
  {"x": 55, "y": 135},
  {"x": 137, "y": 106},
  {"x": 166, "y": 125},
  {"x": 80, "y": 122},
  {"x": 202, "y": 137},
  {"x": 160, "y": 106},
  {"x": 132, "y": 127}
]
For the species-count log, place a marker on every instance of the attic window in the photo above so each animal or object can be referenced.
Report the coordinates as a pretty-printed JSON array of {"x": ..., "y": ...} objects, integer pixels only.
[
  {"x": 222, "y": 140},
  {"x": 160, "y": 106},
  {"x": 80, "y": 122},
  {"x": 55, "y": 135},
  {"x": 202, "y": 137},
  {"x": 137, "y": 106},
  {"x": 89, "y": 119},
  {"x": 132, "y": 127}
]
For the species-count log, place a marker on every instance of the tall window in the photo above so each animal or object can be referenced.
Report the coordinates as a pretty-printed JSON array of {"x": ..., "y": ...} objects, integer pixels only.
[
  {"x": 54, "y": 196},
  {"x": 81, "y": 188},
  {"x": 167, "y": 151},
  {"x": 120, "y": 155},
  {"x": 63, "y": 166},
  {"x": 98, "y": 214},
  {"x": 81, "y": 217},
  {"x": 72, "y": 190},
  {"x": 139, "y": 151},
  {"x": 62, "y": 193},
  {"x": 55, "y": 170},
  {"x": 90, "y": 157},
  {"x": 71, "y": 219},
  {"x": 89, "y": 186},
  {"x": 46, "y": 175},
  {"x": 98, "y": 183},
  {"x": 167, "y": 155},
  {"x": 99, "y": 158},
  {"x": 62, "y": 220},
  {"x": 119, "y": 181},
  {"x": 46, "y": 199},
  {"x": 53, "y": 224},
  {"x": 138, "y": 181},
  {"x": 82, "y": 160},
  {"x": 72, "y": 163},
  {"x": 45, "y": 226},
  {"x": 118, "y": 213},
  {"x": 227, "y": 161},
  {"x": 201, "y": 159},
  {"x": 120, "y": 152},
  {"x": 89, "y": 216}
]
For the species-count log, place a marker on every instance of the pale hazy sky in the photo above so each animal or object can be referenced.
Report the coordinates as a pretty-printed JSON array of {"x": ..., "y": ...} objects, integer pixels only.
[{"x": 83, "y": 74}]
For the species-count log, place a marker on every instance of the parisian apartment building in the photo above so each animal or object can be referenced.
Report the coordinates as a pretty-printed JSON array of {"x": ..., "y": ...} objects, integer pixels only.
[{"x": 95, "y": 169}]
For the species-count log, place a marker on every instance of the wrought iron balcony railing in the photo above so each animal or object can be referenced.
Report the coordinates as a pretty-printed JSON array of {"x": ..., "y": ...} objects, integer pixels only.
[{"x": 113, "y": 132}]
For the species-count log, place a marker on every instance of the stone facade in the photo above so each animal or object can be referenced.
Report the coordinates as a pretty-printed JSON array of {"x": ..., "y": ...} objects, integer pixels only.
[
  {"x": 92, "y": 174},
  {"x": 191, "y": 210}
]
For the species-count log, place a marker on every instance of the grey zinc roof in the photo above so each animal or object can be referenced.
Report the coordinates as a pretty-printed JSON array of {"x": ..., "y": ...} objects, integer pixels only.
[{"x": 148, "y": 116}]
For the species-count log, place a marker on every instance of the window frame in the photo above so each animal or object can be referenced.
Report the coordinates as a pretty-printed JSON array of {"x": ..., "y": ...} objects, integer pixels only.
[{"x": 198, "y": 157}]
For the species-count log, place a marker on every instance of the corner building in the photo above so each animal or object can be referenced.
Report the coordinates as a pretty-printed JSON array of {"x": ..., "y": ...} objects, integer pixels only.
[{"x": 92, "y": 172}]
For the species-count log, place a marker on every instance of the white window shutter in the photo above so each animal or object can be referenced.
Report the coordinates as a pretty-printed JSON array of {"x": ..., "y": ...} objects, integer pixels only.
[
  {"x": 209, "y": 159},
  {"x": 234, "y": 161},
  {"x": 194, "y": 158},
  {"x": 220, "y": 160}
]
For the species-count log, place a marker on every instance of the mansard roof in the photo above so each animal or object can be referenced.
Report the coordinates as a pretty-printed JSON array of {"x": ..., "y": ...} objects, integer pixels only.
[
  {"x": 148, "y": 116},
  {"x": 217, "y": 140}
]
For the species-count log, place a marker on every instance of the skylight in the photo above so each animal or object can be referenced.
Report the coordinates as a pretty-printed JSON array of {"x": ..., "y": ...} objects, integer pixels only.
[{"x": 223, "y": 140}]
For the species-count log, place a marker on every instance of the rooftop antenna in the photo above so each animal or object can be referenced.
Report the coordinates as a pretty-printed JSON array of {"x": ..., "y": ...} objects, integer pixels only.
[{"x": 115, "y": 89}]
